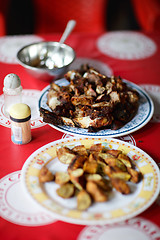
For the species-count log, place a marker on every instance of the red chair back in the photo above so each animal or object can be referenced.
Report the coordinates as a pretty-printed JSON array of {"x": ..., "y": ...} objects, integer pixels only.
[{"x": 52, "y": 15}]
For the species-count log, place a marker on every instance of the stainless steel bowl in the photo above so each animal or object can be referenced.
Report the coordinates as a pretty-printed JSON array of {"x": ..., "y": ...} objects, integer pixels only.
[{"x": 46, "y": 60}]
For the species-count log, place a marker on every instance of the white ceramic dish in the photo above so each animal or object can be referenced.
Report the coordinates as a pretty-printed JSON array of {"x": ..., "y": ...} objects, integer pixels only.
[
  {"x": 143, "y": 116},
  {"x": 118, "y": 208}
]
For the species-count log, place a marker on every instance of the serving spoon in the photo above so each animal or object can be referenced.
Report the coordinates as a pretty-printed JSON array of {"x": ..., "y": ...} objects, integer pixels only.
[
  {"x": 70, "y": 25},
  {"x": 55, "y": 59}
]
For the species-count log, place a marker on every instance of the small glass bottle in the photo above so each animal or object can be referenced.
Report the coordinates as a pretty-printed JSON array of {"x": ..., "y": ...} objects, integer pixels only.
[
  {"x": 12, "y": 91},
  {"x": 20, "y": 115}
]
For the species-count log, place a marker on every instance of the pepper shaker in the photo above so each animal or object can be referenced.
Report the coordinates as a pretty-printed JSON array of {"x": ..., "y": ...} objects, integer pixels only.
[
  {"x": 20, "y": 115},
  {"x": 12, "y": 91}
]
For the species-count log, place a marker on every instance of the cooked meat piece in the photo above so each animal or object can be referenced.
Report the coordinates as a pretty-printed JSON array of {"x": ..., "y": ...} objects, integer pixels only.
[
  {"x": 77, "y": 86},
  {"x": 50, "y": 117},
  {"x": 65, "y": 109},
  {"x": 52, "y": 99},
  {"x": 122, "y": 112},
  {"x": 102, "y": 98},
  {"x": 53, "y": 118},
  {"x": 82, "y": 100},
  {"x": 86, "y": 122},
  {"x": 133, "y": 97},
  {"x": 92, "y": 77},
  {"x": 100, "y": 89},
  {"x": 81, "y": 111},
  {"x": 73, "y": 74},
  {"x": 109, "y": 87},
  {"x": 68, "y": 122},
  {"x": 115, "y": 97},
  {"x": 55, "y": 87},
  {"x": 89, "y": 91},
  {"x": 102, "y": 105}
]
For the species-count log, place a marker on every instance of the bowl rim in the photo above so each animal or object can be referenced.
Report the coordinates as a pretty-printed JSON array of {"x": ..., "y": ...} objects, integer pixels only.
[{"x": 40, "y": 68}]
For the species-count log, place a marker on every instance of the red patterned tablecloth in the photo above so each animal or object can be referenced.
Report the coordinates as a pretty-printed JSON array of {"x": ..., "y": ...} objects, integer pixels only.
[{"x": 134, "y": 56}]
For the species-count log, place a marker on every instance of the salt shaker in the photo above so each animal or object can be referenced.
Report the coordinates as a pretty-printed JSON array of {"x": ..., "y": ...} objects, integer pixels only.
[
  {"x": 20, "y": 115},
  {"x": 12, "y": 91}
]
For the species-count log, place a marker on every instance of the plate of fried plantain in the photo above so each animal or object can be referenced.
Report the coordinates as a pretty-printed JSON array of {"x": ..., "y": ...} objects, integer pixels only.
[{"x": 91, "y": 180}]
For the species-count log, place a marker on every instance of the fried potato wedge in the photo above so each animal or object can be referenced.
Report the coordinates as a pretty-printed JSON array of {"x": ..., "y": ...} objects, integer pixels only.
[
  {"x": 66, "y": 190},
  {"x": 104, "y": 184},
  {"x": 96, "y": 192},
  {"x": 45, "y": 175},
  {"x": 93, "y": 177},
  {"x": 105, "y": 155},
  {"x": 77, "y": 178},
  {"x": 114, "y": 152},
  {"x": 90, "y": 167},
  {"x": 115, "y": 172},
  {"x": 120, "y": 185},
  {"x": 62, "y": 178},
  {"x": 77, "y": 162},
  {"x": 80, "y": 150},
  {"x": 114, "y": 162},
  {"x": 92, "y": 174},
  {"x": 125, "y": 159},
  {"x": 65, "y": 155},
  {"x": 84, "y": 200},
  {"x": 96, "y": 148},
  {"x": 135, "y": 175}
]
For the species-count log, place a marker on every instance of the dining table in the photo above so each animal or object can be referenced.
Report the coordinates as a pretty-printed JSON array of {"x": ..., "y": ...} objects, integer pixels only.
[{"x": 132, "y": 55}]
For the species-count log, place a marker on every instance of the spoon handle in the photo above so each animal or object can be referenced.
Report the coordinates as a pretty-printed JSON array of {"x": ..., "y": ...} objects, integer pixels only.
[{"x": 70, "y": 25}]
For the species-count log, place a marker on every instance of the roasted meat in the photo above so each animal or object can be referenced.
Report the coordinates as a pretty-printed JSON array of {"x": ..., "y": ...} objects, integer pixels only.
[{"x": 91, "y": 100}]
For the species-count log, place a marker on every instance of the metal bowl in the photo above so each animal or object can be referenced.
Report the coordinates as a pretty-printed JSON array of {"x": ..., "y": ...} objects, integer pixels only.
[{"x": 46, "y": 60}]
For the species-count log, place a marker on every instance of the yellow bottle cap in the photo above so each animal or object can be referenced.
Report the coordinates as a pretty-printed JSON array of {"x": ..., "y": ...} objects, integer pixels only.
[{"x": 20, "y": 111}]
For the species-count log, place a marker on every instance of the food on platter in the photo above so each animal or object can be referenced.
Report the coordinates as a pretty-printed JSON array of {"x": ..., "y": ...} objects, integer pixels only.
[
  {"x": 45, "y": 175},
  {"x": 91, "y": 101},
  {"x": 92, "y": 174}
]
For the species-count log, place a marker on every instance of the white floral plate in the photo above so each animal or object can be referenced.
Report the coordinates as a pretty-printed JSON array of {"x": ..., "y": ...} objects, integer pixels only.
[
  {"x": 143, "y": 116},
  {"x": 118, "y": 208}
]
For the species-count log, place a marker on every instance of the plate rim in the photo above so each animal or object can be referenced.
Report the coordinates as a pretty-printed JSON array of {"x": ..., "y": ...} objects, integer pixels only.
[
  {"x": 121, "y": 131},
  {"x": 96, "y": 221}
]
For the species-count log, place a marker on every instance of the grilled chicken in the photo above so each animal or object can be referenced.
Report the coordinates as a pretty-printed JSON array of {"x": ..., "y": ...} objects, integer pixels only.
[{"x": 91, "y": 100}]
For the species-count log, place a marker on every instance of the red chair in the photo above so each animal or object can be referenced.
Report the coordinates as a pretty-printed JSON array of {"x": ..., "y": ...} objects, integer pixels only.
[
  {"x": 3, "y": 12},
  {"x": 52, "y": 15},
  {"x": 148, "y": 14},
  {"x": 2, "y": 25}
]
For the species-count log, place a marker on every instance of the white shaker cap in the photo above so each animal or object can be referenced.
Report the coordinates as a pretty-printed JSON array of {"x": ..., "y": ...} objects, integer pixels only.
[{"x": 12, "y": 81}]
